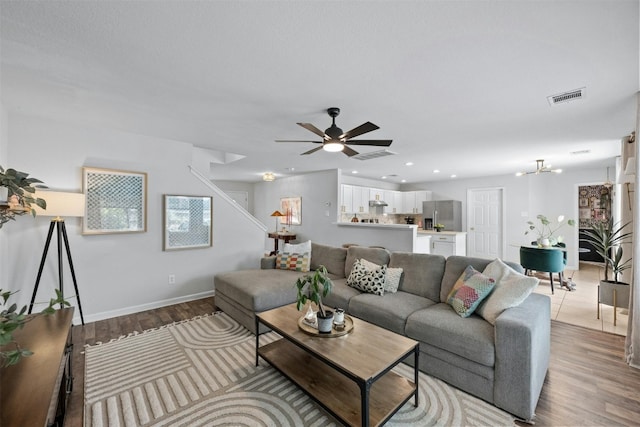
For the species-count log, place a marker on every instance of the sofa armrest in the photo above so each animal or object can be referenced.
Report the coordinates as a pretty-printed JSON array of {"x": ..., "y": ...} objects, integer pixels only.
[
  {"x": 268, "y": 263},
  {"x": 523, "y": 345}
]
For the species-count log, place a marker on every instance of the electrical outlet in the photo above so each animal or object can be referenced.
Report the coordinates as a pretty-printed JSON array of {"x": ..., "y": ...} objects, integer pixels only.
[{"x": 172, "y": 279}]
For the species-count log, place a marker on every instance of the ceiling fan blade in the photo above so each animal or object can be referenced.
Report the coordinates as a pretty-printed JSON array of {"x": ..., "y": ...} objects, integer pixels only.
[
  {"x": 312, "y": 151},
  {"x": 312, "y": 128},
  {"x": 375, "y": 142},
  {"x": 290, "y": 140},
  {"x": 363, "y": 128},
  {"x": 349, "y": 151}
]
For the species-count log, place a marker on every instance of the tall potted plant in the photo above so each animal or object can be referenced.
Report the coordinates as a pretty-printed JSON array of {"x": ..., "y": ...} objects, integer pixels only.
[
  {"x": 313, "y": 287},
  {"x": 606, "y": 237}
]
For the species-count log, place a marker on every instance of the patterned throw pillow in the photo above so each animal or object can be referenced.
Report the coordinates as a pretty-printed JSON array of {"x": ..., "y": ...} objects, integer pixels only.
[
  {"x": 391, "y": 279},
  {"x": 292, "y": 261},
  {"x": 365, "y": 280},
  {"x": 470, "y": 289}
]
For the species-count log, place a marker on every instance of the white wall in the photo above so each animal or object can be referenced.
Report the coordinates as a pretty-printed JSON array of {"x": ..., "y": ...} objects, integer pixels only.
[
  {"x": 247, "y": 187},
  {"x": 525, "y": 198},
  {"x": 119, "y": 273}
]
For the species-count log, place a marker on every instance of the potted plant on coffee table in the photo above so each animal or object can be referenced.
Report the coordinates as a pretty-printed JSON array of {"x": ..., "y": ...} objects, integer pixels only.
[
  {"x": 313, "y": 287},
  {"x": 606, "y": 237}
]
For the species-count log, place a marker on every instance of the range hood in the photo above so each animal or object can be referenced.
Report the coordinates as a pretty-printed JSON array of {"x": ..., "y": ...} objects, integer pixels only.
[{"x": 377, "y": 203}]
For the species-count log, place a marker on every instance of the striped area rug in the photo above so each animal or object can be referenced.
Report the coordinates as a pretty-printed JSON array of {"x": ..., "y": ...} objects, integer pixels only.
[{"x": 202, "y": 372}]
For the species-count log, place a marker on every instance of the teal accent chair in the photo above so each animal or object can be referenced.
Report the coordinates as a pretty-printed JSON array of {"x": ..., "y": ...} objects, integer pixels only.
[{"x": 543, "y": 259}]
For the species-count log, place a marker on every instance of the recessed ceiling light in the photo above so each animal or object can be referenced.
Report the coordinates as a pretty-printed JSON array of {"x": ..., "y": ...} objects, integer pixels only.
[
  {"x": 409, "y": 164},
  {"x": 383, "y": 177},
  {"x": 436, "y": 171},
  {"x": 354, "y": 172},
  {"x": 454, "y": 175},
  {"x": 404, "y": 180}
]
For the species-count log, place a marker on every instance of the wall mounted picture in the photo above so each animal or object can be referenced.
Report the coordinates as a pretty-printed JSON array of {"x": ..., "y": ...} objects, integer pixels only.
[
  {"x": 187, "y": 222},
  {"x": 116, "y": 201},
  {"x": 291, "y": 207}
]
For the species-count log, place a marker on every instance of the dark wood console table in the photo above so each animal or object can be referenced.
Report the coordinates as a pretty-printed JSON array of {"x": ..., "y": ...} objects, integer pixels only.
[
  {"x": 35, "y": 391},
  {"x": 287, "y": 237}
]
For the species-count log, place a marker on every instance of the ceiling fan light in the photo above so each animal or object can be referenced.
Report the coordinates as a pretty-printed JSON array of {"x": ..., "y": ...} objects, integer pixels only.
[
  {"x": 557, "y": 171},
  {"x": 333, "y": 147}
]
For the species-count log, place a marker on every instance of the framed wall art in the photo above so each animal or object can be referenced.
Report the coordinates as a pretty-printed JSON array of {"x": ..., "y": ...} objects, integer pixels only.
[
  {"x": 291, "y": 207},
  {"x": 187, "y": 222},
  {"x": 116, "y": 201}
]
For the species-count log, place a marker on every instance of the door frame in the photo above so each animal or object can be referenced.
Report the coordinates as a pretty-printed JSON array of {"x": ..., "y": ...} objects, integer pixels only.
[{"x": 503, "y": 215}]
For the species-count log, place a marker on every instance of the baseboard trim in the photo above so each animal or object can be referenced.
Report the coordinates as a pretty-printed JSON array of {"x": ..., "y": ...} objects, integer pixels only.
[{"x": 138, "y": 308}]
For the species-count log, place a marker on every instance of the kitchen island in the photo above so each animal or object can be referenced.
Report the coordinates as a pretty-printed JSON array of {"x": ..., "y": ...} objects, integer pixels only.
[{"x": 395, "y": 237}]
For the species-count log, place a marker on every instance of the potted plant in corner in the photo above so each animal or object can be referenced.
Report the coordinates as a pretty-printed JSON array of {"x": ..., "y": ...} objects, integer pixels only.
[
  {"x": 313, "y": 287},
  {"x": 606, "y": 237}
]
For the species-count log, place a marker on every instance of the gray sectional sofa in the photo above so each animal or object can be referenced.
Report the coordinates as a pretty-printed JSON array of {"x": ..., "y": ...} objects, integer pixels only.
[{"x": 504, "y": 364}]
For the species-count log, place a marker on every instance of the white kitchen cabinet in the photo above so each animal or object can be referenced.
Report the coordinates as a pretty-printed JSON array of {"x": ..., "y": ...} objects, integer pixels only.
[
  {"x": 346, "y": 193},
  {"x": 360, "y": 199},
  {"x": 422, "y": 244},
  {"x": 376, "y": 194},
  {"x": 394, "y": 201},
  {"x": 449, "y": 244},
  {"x": 412, "y": 201}
]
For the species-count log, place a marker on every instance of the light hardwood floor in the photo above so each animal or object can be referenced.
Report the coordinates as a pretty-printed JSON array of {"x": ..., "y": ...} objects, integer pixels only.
[{"x": 588, "y": 383}]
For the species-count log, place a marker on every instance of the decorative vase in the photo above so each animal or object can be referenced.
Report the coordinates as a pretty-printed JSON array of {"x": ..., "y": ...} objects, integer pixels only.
[{"x": 325, "y": 323}]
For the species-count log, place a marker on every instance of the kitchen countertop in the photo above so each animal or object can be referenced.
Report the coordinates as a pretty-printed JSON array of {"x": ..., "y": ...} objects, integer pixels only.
[
  {"x": 375, "y": 225},
  {"x": 430, "y": 232}
]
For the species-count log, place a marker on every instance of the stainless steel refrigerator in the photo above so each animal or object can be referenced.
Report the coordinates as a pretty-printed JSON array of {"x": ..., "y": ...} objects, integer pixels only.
[{"x": 446, "y": 212}]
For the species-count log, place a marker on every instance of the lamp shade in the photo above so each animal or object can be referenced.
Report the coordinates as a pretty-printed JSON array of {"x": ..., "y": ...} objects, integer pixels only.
[
  {"x": 277, "y": 213},
  {"x": 61, "y": 204}
]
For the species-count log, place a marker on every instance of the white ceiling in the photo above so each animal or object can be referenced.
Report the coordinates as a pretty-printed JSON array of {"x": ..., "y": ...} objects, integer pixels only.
[{"x": 460, "y": 86}]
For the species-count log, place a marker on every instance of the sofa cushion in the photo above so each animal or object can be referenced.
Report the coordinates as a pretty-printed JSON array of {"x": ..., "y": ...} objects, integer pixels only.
[
  {"x": 340, "y": 294},
  {"x": 259, "y": 290},
  {"x": 331, "y": 257},
  {"x": 456, "y": 264},
  {"x": 366, "y": 280},
  {"x": 422, "y": 273},
  {"x": 511, "y": 290},
  {"x": 469, "y": 291},
  {"x": 293, "y": 261},
  {"x": 438, "y": 325},
  {"x": 378, "y": 256},
  {"x": 390, "y": 311},
  {"x": 391, "y": 279}
]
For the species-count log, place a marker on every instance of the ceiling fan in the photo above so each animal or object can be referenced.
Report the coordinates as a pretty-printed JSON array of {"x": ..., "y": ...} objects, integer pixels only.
[{"x": 334, "y": 140}]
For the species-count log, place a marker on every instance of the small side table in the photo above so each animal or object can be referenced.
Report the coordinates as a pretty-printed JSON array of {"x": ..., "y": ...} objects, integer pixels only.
[{"x": 287, "y": 237}]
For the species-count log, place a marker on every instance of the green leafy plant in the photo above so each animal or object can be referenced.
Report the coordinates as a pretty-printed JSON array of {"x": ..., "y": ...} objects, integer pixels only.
[
  {"x": 20, "y": 194},
  {"x": 12, "y": 319},
  {"x": 439, "y": 226},
  {"x": 607, "y": 238},
  {"x": 546, "y": 229},
  {"x": 313, "y": 287}
]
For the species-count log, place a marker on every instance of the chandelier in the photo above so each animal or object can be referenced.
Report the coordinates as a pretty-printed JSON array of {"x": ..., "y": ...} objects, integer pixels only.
[{"x": 540, "y": 168}]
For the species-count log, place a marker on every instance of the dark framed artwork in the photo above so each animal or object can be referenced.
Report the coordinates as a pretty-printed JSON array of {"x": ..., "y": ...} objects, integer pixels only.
[
  {"x": 187, "y": 222},
  {"x": 115, "y": 202}
]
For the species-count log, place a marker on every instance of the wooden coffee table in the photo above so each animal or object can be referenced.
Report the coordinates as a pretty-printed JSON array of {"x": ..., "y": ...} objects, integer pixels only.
[{"x": 350, "y": 376}]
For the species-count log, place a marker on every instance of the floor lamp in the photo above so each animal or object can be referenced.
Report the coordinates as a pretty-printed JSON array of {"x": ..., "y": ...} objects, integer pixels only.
[{"x": 60, "y": 205}]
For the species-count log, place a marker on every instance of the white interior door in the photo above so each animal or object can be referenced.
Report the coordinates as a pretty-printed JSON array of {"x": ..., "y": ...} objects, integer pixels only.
[{"x": 485, "y": 223}]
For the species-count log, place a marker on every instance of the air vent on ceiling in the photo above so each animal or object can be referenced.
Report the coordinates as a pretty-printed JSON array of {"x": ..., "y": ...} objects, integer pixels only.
[
  {"x": 373, "y": 155},
  {"x": 576, "y": 153},
  {"x": 572, "y": 95}
]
